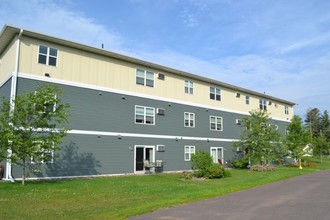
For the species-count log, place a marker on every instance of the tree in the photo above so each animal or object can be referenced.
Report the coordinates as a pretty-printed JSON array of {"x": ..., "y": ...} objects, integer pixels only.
[
  {"x": 313, "y": 120},
  {"x": 298, "y": 137},
  {"x": 33, "y": 126},
  {"x": 260, "y": 140}
]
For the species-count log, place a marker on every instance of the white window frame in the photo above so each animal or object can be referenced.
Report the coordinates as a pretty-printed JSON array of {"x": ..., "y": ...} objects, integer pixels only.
[
  {"x": 190, "y": 117},
  {"x": 189, "y": 87},
  {"x": 286, "y": 109},
  {"x": 247, "y": 100},
  {"x": 43, "y": 151},
  {"x": 145, "y": 78},
  {"x": 215, "y": 160},
  {"x": 144, "y": 115},
  {"x": 216, "y": 123},
  {"x": 188, "y": 151},
  {"x": 263, "y": 104},
  {"x": 216, "y": 93},
  {"x": 48, "y": 55}
]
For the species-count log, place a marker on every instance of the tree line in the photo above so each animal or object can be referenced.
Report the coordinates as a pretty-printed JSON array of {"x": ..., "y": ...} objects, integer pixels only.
[{"x": 262, "y": 143}]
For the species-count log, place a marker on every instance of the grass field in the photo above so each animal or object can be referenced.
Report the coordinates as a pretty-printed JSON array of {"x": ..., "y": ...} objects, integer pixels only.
[{"x": 122, "y": 197}]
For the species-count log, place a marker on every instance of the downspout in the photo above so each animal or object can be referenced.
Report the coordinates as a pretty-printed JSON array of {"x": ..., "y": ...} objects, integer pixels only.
[{"x": 13, "y": 92}]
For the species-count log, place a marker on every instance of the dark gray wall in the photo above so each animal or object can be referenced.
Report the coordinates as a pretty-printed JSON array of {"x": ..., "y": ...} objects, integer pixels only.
[{"x": 93, "y": 110}]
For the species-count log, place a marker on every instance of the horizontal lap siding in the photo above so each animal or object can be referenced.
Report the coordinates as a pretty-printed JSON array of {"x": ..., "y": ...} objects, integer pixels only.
[{"x": 94, "y": 110}]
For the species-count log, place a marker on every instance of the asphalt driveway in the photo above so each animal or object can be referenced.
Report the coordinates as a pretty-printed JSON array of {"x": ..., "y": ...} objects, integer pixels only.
[{"x": 305, "y": 197}]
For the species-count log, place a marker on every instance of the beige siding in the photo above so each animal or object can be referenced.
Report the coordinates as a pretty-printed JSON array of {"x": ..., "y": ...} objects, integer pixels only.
[
  {"x": 94, "y": 69},
  {"x": 8, "y": 61}
]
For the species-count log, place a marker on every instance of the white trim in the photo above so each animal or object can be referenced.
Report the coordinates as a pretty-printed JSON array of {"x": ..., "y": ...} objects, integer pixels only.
[
  {"x": 122, "y": 92},
  {"x": 191, "y": 150},
  {"x": 184, "y": 119},
  {"x": 144, "y": 156},
  {"x": 119, "y": 134},
  {"x": 145, "y": 115},
  {"x": 216, "y": 122}
]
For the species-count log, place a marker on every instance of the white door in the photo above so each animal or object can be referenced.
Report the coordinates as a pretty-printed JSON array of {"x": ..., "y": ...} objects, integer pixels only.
[
  {"x": 142, "y": 153},
  {"x": 217, "y": 154}
]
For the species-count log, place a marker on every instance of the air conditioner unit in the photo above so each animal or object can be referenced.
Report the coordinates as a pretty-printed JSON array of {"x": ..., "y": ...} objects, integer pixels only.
[
  {"x": 238, "y": 121},
  {"x": 269, "y": 102},
  {"x": 160, "y": 111},
  {"x": 161, "y": 76},
  {"x": 160, "y": 148},
  {"x": 238, "y": 94}
]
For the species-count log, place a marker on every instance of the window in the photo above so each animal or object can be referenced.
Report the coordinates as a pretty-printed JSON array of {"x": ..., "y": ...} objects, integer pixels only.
[
  {"x": 189, "y": 119},
  {"x": 215, "y": 93},
  {"x": 144, "y": 115},
  {"x": 47, "y": 55},
  {"x": 188, "y": 87},
  {"x": 188, "y": 151},
  {"x": 48, "y": 106},
  {"x": 215, "y": 123},
  {"x": 247, "y": 100},
  {"x": 286, "y": 110},
  {"x": 145, "y": 78},
  {"x": 263, "y": 104},
  {"x": 46, "y": 155}
]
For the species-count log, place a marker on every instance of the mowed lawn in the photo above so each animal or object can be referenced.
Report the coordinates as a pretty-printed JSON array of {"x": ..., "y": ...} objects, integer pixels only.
[{"x": 125, "y": 196}]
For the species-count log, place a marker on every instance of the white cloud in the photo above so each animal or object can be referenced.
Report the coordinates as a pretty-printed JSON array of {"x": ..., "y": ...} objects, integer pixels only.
[
  {"x": 58, "y": 19},
  {"x": 189, "y": 19}
]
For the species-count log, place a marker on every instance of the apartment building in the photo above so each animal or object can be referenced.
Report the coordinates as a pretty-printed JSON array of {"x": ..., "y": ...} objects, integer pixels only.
[{"x": 126, "y": 110}]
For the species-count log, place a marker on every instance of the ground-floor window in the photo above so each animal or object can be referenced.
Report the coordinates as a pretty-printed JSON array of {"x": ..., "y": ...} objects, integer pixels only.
[
  {"x": 188, "y": 151},
  {"x": 217, "y": 154}
]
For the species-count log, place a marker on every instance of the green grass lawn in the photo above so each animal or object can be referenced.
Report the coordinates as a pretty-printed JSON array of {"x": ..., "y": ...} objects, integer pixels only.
[{"x": 125, "y": 196}]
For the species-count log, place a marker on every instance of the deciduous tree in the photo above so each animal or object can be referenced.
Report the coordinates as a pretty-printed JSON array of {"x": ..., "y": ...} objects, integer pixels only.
[{"x": 33, "y": 126}]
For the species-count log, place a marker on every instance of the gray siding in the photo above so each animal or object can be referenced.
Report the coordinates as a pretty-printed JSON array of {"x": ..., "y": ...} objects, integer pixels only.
[{"x": 93, "y": 110}]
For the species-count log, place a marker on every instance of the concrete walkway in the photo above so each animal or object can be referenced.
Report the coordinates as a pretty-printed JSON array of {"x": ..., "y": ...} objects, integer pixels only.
[{"x": 305, "y": 197}]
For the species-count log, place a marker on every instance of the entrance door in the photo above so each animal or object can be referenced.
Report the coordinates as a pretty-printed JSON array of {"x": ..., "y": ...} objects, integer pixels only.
[
  {"x": 217, "y": 154},
  {"x": 141, "y": 154}
]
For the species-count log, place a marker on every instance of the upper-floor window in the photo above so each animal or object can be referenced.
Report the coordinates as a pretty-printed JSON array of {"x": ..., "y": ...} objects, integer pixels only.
[
  {"x": 189, "y": 119},
  {"x": 286, "y": 110},
  {"x": 47, "y": 55},
  {"x": 247, "y": 100},
  {"x": 216, "y": 123},
  {"x": 215, "y": 93},
  {"x": 144, "y": 115},
  {"x": 144, "y": 77},
  {"x": 262, "y": 104},
  {"x": 188, "y": 151},
  {"x": 189, "y": 87}
]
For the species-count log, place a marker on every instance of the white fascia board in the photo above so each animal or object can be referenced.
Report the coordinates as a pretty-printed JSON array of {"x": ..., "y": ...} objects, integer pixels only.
[{"x": 137, "y": 135}]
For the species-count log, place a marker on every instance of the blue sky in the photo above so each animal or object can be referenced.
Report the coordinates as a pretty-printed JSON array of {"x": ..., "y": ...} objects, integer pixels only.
[{"x": 278, "y": 47}]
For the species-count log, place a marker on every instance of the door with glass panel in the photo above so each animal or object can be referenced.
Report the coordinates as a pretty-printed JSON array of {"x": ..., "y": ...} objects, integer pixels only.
[
  {"x": 143, "y": 153},
  {"x": 217, "y": 155}
]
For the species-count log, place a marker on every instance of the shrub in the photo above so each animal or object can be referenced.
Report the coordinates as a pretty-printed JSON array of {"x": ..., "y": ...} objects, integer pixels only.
[
  {"x": 240, "y": 163},
  {"x": 310, "y": 164},
  {"x": 261, "y": 168},
  {"x": 204, "y": 167}
]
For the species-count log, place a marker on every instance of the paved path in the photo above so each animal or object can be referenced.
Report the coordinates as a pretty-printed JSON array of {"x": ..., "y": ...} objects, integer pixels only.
[{"x": 305, "y": 197}]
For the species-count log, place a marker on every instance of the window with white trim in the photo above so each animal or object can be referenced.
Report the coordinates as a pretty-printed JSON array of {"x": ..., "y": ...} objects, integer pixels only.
[
  {"x": 144, "y": 115},
  {"x": 247, "y": 100},
  {"x": 46, "y": 154},
  {"x": 47, "y": 55},
  {"x": 189, "y": 87},
  {"x": 263, "y": 104},
  {"x": 215, "y": 93},
  {"x": 188, "y": 151},
  {"x": 286, "y": 110},
  {"x": 189, "y": 119},
  {"x": 216, "y": 123},
  {"x": 144, "y": 77}
]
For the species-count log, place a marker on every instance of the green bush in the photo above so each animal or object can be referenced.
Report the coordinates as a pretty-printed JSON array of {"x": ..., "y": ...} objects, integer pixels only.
[
  {"x": 240, "y": 163},
  {"x": 203, "y": 166}
]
